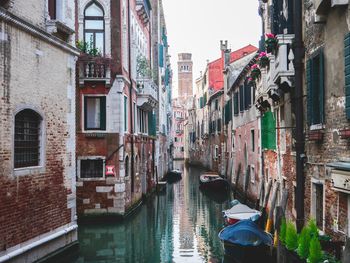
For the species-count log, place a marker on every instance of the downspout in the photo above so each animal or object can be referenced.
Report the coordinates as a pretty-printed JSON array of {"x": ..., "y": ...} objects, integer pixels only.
[
  {"x": 300, "y": 142},
  {"x": 130, "y": 103}
]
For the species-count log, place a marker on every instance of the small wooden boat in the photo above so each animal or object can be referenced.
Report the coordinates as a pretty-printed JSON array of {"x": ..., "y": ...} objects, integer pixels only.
[
  {"x": 174, "y": 176},
  {"x": 240, "y": 212},
  {"x": 212, "y": 181},
  {"x": 246, "y": 242}
]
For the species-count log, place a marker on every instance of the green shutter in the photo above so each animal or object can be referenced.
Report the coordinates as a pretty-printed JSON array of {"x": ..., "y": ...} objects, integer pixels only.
[
  {"x": 268, "y": 131},
  {"x": 152, "y": 124},
  {"x": 103, "y": 113},
  {"x": 322, "y": 87},
  {"x": 309, "y": 91},
  {"x": 228, "y": 111},
  {"x": 347, "y": 74},
  {"x": 236, "y": 103},
  {"x": 241, "y": 98},
  {"x": 205, "y": 98},
  {"x": 85, "y": 113}
]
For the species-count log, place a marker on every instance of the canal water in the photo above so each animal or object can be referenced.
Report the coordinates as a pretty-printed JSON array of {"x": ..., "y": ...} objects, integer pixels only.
[{"x": 180, "y": 225}]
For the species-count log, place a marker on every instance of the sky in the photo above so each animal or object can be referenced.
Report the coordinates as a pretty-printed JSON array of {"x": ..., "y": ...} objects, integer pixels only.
[{"x": 197, "y": 26}]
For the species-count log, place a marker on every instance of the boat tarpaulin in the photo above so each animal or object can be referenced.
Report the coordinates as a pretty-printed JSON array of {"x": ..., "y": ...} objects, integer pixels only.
[{"x": 245, "y": 233}]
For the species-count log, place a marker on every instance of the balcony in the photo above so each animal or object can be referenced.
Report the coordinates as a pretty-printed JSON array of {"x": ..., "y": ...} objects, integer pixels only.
[
  {"x": 143, "y": 8},
  {"x": 283, "y": 70},
  {"x": 147, "y": 95},
  {"x": 94, "y": 69}
]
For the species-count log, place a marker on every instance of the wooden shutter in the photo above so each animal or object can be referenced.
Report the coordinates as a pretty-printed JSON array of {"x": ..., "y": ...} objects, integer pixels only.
[
  {"x": 321, "y": 87},
  {"x": 268, "y": 131},
  {"x": 248, "y": 95},
  {"x": 309, "y": 91},
  {"x": 347, "y": 74},
  {"x": 236, "y": 103},
  {"x": 241, "y": 98},
  {"x": 103, "y": 113}
]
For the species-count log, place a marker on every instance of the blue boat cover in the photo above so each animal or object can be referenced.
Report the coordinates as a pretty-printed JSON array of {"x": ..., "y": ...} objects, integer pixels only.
[{"x": 245, "y": 233}]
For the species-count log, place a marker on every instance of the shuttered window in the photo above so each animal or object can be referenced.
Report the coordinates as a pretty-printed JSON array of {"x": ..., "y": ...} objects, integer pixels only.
[
  {"x": 228, "y": 111},
  {"x": 152, "y": 124},
  {"x": 268, "y": 131},
  {"x": 235, "y": 102},
  {"x": 247, "y": 96},
  {"x": 241, "y": 98},
  {"x": 315, "y": 89},
  {"x": 347, "y": 74}
]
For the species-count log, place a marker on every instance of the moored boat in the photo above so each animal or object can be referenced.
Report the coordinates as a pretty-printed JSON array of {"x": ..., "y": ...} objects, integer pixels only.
[
  {"x": 240, "y": 212},
  {"x": 212, "y": 181},
  {"x": 174, "y": 176},
  {"x": 246, "y": 242}
]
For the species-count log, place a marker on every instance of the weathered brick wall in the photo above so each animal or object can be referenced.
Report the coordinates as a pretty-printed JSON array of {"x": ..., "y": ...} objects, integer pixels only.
[
  {"x": 330, "y": 36},
  {"x": 36, "y": 75}
]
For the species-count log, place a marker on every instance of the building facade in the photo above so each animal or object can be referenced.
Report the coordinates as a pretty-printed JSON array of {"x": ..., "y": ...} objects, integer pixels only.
[
  {"x": 37, "y": 131},
  {"x": 120, "y": 100}
]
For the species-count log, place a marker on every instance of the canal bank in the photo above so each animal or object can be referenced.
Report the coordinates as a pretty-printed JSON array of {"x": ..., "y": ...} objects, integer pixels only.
[{"x": 180, "y": 225}]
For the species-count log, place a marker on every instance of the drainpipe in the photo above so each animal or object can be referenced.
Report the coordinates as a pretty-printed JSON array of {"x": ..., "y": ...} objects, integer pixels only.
[
  {"x": 130, "y": 103},
  {"x": 300, "y": 142}
]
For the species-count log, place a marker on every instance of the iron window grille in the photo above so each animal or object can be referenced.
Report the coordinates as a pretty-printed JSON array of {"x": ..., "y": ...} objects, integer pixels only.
[
  {"x": 27, "y": 139},
  {"x": 91, "y": 168}
]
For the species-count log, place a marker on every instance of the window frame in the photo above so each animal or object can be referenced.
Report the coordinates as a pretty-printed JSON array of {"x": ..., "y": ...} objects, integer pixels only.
[
  {"x": 41, "y": 167},
  {"x": 96, "y": 157},
  {"x": 94, "y": 31},
  {"x": 84, "y": 115}
]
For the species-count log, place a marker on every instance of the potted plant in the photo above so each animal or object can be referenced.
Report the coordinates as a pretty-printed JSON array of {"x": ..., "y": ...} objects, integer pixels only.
[
  {"x": 271, "y": 43},
  {"x": 304, "y": 243},
  {"x": 263, "y": 60},
  {"x": 255, "y": 72},
  {"x": 315, "y": 252}
]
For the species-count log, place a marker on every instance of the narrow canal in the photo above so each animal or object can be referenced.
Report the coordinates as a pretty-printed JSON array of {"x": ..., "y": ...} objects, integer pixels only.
[{"x": 180, "y": 225}]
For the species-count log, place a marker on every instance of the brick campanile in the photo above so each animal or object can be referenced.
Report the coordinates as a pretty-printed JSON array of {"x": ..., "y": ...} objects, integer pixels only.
[{"x": 185, "y": 75}]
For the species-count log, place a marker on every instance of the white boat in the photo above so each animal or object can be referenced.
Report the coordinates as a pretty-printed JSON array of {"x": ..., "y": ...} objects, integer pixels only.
[{"x": 240, "y": 212}]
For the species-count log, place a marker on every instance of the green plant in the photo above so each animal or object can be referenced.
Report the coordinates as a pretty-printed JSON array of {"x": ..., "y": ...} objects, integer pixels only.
[
  {"x": 315, "y": 252},
  {"x": 142, "y": 67},
  {"x": 329, "y": 258},
  {"x": 291, "y": 237},
  {"x": 313, "y": 230},
  {"x": 304, "y": 243},
  {"x": 283, "y": 230},
  {"x": 88, "y": 48}
]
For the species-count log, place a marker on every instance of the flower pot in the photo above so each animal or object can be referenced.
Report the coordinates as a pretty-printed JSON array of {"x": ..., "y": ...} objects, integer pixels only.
[
  {"x": 345, "y": 133},
  {"x": 316, "y": 135}
]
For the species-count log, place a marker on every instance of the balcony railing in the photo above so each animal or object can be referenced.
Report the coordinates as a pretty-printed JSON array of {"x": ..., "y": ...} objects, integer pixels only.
[
  {"x": 283, "y": 72},
  {"x": 94, "y": 69},
  {"x": 147, "y": 95},
  {"x": 143, "y": 8}
]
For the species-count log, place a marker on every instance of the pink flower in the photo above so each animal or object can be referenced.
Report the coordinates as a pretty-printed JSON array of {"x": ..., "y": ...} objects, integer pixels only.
[
  {"x": 262, "y": 54},
  {"x": 270, "y": 35},
  {"x": 250, "y": 79},
  {"x": 254, "y": 66}
]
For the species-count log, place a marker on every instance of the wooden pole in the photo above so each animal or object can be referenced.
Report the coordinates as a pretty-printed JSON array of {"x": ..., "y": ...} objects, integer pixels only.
[{"x": 269, "y": 223}]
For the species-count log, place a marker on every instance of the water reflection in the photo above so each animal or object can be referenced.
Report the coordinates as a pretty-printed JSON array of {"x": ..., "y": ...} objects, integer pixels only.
[{"x": 179, "y": 226}]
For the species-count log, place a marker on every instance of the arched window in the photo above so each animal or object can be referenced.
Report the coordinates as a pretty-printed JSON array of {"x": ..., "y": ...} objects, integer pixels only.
[
  {"x": 94, "y": 28},
  {"x": 127, "y": 166},
  {"x": 27, "y": 139}
]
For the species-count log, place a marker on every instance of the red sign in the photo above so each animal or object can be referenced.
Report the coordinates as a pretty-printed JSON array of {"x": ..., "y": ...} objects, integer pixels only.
[{"x": 110, "y": 170}]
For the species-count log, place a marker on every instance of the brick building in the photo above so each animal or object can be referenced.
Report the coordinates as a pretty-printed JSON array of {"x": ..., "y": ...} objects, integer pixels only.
[
  {"x": 120, "y": 101},
  {"x": 327, "y": 190},
  {"x": 37, "y": 129}
]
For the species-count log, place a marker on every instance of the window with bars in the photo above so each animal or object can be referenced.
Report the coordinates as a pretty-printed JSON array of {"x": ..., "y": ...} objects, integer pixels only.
[
  {"x": 91, "y": 168},
  {"x": 27, "y": 139}
]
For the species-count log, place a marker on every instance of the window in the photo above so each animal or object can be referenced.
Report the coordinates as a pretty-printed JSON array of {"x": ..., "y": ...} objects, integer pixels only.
[
  {"x": 94, "y": 27},
  {"x": 216, "y": 104},
  {"x": 247, "y": 95},
  {"x": 127, "y": 172},
  {"x": 268, "y": 131},
  {"x": 27, "y": 139},
  {"x": 241, "y": 98},
  {"x": 315, "y": 89},
  {"x": 252, "y": 136},
  {"x": 318, "y": 204},
  {"x": 216, "y": 152},
  {"x": 52, "y": 9},
  {"x": 219, "y": 125},
  {"x": 235, "y": 106},
  {"x": 125, "y": 113},
  {"x": 91, "y": 168},
  {"x": 252, "y": 174},
  {"x": 95, "y": 113}
]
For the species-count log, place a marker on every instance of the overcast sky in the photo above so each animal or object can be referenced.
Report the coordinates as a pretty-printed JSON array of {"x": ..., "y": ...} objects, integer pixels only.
[{"x": 197, "y": 26}]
